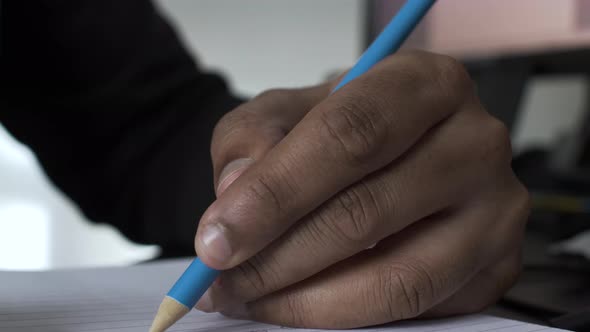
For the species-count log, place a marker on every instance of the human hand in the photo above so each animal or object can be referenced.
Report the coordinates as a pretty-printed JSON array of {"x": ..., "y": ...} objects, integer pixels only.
[{"x": 403, "y": 160}]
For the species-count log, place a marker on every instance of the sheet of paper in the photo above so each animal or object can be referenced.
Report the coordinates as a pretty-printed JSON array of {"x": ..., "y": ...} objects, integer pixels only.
[{"x": 126, "y": 299}]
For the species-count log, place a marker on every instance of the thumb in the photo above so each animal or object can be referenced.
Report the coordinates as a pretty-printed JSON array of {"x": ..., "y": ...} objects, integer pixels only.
[
  {"x": 231, "y": 172},
  {"x": 249, "y": 132},
  {"x": 243, "y": 137}
]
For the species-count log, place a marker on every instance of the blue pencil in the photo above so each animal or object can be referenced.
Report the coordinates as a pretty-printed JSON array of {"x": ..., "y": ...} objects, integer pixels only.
[
  {"x": 198, "y": 277},
  {"x": 390, "y": 39}
]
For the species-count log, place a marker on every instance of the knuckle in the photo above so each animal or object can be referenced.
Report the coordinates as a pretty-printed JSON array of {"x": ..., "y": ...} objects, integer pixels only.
[
  {"x": 297, "y": 308},
  {"x": 509, "y": 225},
  {"x": 446, "y": 73},
  {"x": 522, "y": 201},
  {"x": 452, "y": 81},
  {"x": 440, "y": 81},
  {"x": 518, "y": 213},
  {"x": 353, "y": 217},
  {"x": 356, "y": 127},
  {"x": 514, "y": 272},
  {"x": 316, "y": 236},
  {"x": 263, "y": 190},
  {"x": 255, "y": 278},
  {"x": 509, "y": 277},
  {"x": 407, "y": 289},
  {"x": 502, "y": 277},
  {"x": 499, "y": 138},
  {"x": 227, "y": 122},
  {"x": 276, "y": 190},
  {"x": 249, "y": 274},
  {"x": 490, "y": 143},
  {"x": 274, "y": 94},
  {"x": 275, "y": 101},
  {"x": 454, "y": 70},
  {"x": 232, "y": 126},
  {"x": 237, "y": 118},
  {"x": 453, "y": 74}
]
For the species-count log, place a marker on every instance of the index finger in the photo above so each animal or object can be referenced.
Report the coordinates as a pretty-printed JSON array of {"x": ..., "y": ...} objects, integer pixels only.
[{"x": 359, "y": 129}]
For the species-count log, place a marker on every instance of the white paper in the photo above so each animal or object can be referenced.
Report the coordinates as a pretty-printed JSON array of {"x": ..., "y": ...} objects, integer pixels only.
[{"x": 126, "y": 299}]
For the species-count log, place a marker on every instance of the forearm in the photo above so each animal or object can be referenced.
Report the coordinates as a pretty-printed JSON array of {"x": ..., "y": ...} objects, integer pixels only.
[{"x": 117, "y": 112}]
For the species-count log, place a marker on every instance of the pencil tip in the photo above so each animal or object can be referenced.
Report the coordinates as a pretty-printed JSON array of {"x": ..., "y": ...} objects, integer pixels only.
[{"x": 169, "y": 312}]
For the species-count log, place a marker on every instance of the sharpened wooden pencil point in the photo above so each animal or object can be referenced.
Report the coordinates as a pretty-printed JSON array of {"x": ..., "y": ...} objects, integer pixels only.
[{"x": 169, "y": 312}]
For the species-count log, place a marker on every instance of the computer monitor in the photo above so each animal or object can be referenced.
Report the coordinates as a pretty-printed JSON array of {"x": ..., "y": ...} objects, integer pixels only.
[{"x": 502, "y": 42}]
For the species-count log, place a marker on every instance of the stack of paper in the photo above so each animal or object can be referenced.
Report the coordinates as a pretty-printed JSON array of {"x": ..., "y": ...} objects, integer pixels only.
[{"x": 126, "y": 299}]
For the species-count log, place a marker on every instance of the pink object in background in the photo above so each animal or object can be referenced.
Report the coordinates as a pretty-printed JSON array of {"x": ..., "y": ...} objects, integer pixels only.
[{"x": 481, "y": 28}]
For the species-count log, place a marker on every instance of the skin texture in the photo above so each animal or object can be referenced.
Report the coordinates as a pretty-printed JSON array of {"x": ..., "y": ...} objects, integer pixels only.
[{"x": 391, "y": 199}]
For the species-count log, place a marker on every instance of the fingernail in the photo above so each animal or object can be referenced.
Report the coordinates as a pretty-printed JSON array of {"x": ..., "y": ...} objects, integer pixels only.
[
  {"x": 205, "y": 303},
  {"x": 215, "y": 243},
  {"x": 231, "y": 172}
]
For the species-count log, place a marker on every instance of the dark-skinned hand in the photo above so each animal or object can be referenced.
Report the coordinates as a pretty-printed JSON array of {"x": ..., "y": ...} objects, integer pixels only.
[{"x": 392, "y": 198}]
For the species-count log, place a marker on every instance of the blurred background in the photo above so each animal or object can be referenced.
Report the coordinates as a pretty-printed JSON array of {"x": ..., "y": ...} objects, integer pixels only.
[
  {"x": 530, "y": 60},
  {"x": 214, "y": 31}
]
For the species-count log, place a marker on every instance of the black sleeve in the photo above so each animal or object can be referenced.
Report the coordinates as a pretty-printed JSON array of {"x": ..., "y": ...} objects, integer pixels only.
[{"x": 116, "y": 111}]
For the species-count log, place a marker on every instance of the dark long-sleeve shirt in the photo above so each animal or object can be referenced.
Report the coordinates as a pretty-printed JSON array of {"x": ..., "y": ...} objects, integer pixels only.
[{"x": 117, "y": 112}]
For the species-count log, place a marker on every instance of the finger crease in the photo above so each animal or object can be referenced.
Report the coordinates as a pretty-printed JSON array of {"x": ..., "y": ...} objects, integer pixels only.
[{"x": 269, "y": 192}]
